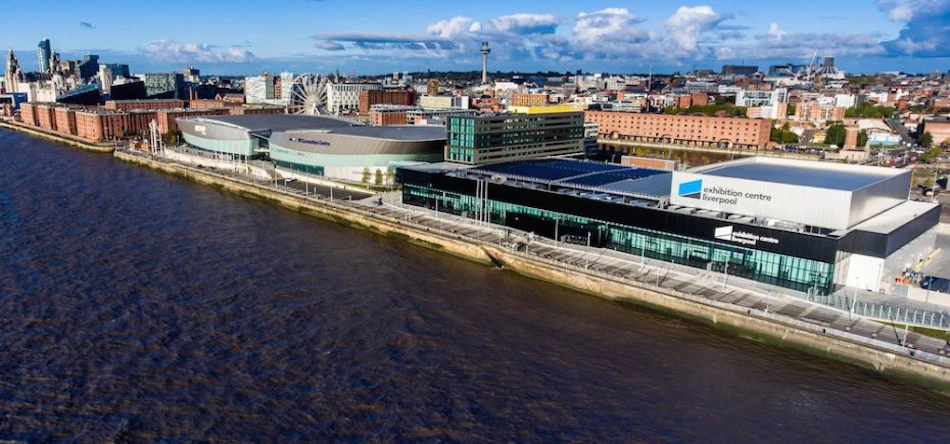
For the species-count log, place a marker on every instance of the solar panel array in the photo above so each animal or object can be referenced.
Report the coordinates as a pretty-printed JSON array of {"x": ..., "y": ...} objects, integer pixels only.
[
  {"x": 547, "y": 169},
  {"x": 599, "y": 179},
  {"x": 585, "y": 174}
]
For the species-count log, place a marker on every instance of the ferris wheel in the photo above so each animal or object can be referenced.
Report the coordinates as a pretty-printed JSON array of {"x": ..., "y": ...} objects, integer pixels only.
[{"x": 308, "y": 95}]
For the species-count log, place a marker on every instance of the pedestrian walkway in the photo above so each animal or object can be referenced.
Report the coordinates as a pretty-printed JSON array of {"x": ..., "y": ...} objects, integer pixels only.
[{"x": 712, "y": 288}]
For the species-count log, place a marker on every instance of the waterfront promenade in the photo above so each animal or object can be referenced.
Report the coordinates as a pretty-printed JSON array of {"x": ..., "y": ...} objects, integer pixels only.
[
  {"x": 744, "y": 307},
  {"x": 828, "y": 327}
]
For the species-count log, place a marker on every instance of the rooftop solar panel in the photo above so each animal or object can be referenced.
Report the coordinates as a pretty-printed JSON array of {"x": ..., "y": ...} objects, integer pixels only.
[
  {"x": 550, "y": 169},
  {"x": 657, "y": 185},
  {"x": 594, "y": 180}
]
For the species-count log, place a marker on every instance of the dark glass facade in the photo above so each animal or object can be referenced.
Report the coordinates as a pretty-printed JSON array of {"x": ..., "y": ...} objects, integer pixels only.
[
  {"x": 796, "y": 260},
  {"x": 309, "y": 169},
  {"x": 487, "y": 139}
]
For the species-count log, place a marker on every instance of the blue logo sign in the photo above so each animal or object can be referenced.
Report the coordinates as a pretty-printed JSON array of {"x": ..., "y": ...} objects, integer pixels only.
[{"x": 691, "y": 189}]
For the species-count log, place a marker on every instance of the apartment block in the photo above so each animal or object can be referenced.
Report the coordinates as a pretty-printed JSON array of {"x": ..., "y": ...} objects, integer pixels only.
[
  {"x": 128, "y": 105},
  {"x": 369, "y": 98},
  {"x": 524, "y": 99},
  {"x": 818, "y": 113},
  {"x": 65, "y": 121},
  {"x": 724, "y": 132}
]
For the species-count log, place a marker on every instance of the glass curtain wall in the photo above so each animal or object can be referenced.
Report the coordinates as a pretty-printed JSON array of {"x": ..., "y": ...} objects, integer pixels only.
[{"x": 796, "y": 273}]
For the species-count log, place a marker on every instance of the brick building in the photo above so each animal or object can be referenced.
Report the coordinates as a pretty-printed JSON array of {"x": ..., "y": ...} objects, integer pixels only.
[
  {"x": 939, "y": 128},
  {"x": 818, "y": 113},
  {"x": 28, "y": 113},
  {"x": 260, "y": 109},
  {"x": 127, "y": 105},
  {"x": 66, "y": 121},
  {"x": 385, "y": 97},
  {"x": 726, "y": 132},
  {"x": 210, "y": 103},
  {"x": 524, "y": 99},
  {"x": 46, "y": 116},
  {"x": 97, "y": 125},
  {"x": 386, "y": 115}
]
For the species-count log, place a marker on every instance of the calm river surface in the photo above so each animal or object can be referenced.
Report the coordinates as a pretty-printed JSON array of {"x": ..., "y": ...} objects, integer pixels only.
[{"x": 137, "y": 306}]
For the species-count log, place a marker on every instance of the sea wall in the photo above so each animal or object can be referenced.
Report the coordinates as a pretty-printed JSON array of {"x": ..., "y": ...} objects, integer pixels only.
[
  {"x": 57, "y": 138},
  {"x": 323, "y": 209},
  {"x": 766, "y": 327},
  {"x": 894, "y": 362}
]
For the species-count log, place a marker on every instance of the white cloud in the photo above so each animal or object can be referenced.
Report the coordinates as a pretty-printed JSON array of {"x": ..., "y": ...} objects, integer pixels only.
[
  {"x": 591, "y": 29},
  {"x": 453, "y": 27},
  {"x": 905, "y": 10},
  {"x": 687, "y": 26},
  {"x": 526, "y": 23},
  {"x": 167, "y": 50},
  {"x": 776, "y": 33}
]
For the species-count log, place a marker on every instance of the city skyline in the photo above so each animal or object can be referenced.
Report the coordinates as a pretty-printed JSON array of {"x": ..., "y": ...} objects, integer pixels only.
[{"x": 617, "y": 36}]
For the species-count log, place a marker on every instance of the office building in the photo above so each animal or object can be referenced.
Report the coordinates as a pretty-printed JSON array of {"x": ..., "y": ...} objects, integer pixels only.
[
  {"x": 387, "y": 115},
  {"x": 435, "y": 117},
  {"x": 169, "y": 85},
  {"x": 43, "y": 53},
  {"x": 345, "y": 97},
  {"x": 739, "y": 70},
  {"x": 457, "y": 102},
  {"x": 525, "y": 99},
  {"x": 741, "y": 218},
  {"x": 370, "y": 98},
  {"x": 723, "y": 132},
  {"x": 268, "y": 89},
  {"x": 192, "y": 75},
  {"x": 817, "y": 113},
  {"x": 494, "y": 138},
  {"x": 119, "y": 70},
  {"x": 105, "y": 79},
  {"x": 761, "y": 98}
]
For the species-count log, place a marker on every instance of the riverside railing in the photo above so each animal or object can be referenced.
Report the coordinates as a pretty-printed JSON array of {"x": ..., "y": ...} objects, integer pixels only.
[
  {"x": 626, "y": 279},
  {"x": 885, "y": 312}
]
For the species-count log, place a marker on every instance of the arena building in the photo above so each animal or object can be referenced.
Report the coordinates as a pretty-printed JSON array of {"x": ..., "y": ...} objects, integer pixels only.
[
  {"x": 809, "y": 226},
  {"x": 323, "y": 146}
]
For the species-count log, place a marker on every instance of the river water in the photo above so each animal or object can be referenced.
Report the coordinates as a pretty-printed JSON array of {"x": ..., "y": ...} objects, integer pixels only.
[{"x": 137, "y": 306}]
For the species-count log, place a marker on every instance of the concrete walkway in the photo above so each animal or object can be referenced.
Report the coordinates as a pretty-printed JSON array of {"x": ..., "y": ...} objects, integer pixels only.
[
  {"x": 778, "y": 304},
  {"x": 751, "y": 295}
]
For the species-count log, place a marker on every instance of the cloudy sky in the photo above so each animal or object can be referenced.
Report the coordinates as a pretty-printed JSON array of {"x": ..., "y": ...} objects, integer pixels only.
[{"x": 371, "y": 37}]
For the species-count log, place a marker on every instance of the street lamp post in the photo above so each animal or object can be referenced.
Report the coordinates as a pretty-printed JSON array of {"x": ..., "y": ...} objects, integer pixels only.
[
  {"x": 725, "y": 275},
  {"x": 586, "y": 259}
]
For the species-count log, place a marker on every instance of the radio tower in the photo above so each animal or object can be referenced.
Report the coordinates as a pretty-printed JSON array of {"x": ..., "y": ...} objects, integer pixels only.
[{"x": 485, "y": 51}]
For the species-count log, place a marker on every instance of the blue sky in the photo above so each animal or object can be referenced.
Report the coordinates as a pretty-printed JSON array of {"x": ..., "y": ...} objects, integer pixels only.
[{"x": 369, "y": 36}]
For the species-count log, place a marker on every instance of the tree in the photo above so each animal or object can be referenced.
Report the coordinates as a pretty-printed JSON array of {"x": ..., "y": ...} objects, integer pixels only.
[
  {"x": 390, "y": 176},
  {"x": 379, "y": 177},
  {"x": 835, "y": 135},
  {"x": 926, "y": 140},
  {"x": 366, "y": 175},
  {"x": 862, "y": 138},
  {"x": 791, "y": 110},
  {"x": 868, "y": 111}
]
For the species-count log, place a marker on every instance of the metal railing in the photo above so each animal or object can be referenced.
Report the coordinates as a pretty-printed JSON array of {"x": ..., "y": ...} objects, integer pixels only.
[
  {"x": 864, "y": 309},
  {"x": 884, "y": 312}
]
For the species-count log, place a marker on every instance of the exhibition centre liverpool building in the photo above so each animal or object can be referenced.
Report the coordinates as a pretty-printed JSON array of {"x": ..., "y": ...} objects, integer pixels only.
[
  {"x": 809, "y": 226},
  {"x": 323, "y": 146}
]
